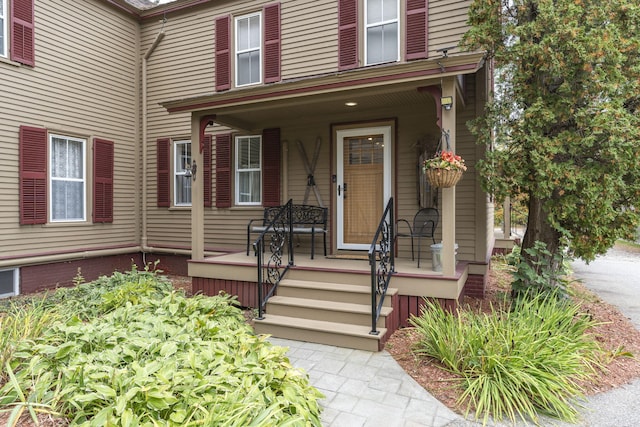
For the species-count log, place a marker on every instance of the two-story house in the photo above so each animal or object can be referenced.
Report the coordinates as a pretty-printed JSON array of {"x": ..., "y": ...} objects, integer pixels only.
[{"x": 133, "y": 131}]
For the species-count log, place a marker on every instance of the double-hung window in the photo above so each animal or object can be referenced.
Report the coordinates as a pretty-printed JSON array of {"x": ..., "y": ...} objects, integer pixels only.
[
  {"x": 248, "y": 170},
  {"x": 67, "y": 178},
  {"x": 182, "y": 173},
  {"x": 4, "y": 23},
  {"x": 248, "y": 45},
  {"x": 382, "y": 29}
]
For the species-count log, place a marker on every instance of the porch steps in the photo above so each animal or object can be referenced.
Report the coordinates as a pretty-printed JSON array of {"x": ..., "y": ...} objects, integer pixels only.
[{"x": 326, "y": 313}]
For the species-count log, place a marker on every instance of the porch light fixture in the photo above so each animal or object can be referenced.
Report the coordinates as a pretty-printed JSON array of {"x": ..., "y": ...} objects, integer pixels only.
[
  {"x": 446, "y": 102},
  {"x": 190, "y": 170},
  {"x": 351, "y": 104}
]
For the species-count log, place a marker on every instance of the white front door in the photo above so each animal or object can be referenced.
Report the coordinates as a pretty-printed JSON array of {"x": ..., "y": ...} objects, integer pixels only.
[{"x": 363, "y": 184}]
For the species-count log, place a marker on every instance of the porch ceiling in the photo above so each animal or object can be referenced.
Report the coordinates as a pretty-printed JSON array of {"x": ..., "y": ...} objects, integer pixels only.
[
  {"x": 385, "y": 87},
  {"x": 258, "y": 116}
]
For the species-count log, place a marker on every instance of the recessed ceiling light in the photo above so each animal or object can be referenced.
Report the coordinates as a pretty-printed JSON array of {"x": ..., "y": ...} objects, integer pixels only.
[{"x": 350, "y": 104}]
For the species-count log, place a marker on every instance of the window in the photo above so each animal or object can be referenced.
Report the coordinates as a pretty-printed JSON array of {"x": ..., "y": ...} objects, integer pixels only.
[
  {"x": 381, "y": 31},
  {"x": 3, "y": 28},
  {"x": 248, "y": 170},
  {"x": 9, "y": 282},
  {"x": 182, "y": 173},
  {"x": 67, "y": 178},
  {"x": 248, "y": 49}
]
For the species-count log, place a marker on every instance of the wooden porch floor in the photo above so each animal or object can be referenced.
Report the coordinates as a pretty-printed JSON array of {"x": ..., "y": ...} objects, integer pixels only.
[{"x": 408, "y": 279}]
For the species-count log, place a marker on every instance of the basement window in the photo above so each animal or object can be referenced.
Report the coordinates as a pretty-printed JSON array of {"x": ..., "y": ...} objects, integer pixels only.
[{"x": 9, "y": 283}]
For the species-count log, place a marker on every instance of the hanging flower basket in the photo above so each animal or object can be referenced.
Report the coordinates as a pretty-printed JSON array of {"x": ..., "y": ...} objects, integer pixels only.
[
  {"x": 443, "y": 178},
  {"x": 444, "y": 170}
]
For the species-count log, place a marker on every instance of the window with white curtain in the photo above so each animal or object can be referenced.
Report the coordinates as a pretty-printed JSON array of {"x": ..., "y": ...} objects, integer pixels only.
[
  {"x": 182, "y": 173},
  {"x": 248, "y": 49},
  {"x": 248, "y": 170},
  {"x": 3, "y": 28},
  {"x": 67, "y": 178},
  {"x": 382, "y": 31}
]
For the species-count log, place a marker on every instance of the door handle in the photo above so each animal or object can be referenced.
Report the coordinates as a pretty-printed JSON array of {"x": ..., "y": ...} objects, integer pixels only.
[{"x": 342, "y": 189}]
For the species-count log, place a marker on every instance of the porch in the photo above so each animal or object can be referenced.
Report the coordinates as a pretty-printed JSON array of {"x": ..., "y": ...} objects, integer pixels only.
[{"x": 327, "y": 300}]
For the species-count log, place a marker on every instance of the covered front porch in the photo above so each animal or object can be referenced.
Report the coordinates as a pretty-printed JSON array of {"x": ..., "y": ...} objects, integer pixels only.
[{"x": 348, "y": 142}]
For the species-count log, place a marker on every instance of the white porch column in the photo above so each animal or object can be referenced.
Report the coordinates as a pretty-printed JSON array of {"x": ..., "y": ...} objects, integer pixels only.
[
  {"x": 197, "y": 192},
  {"x": 449, "y": 194}
]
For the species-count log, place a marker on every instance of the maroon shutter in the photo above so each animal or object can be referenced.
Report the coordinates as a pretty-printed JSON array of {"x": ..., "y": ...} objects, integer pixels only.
[
  {"x": 33, "y": 175},
  {"x": 347, "y": 34},
  {"x": 223, "y": 170},
  {"x": 102, "y": 180},
  {"x": 271, "y": 167},
  {"x": 206, "y": 170},
  {"x": 417, "y": 29},
  {"x": 272, "y": 43},
  {"x": 223, "y": 53},
  {"x": 164, "y": 172},
  {"x": 22, "y": 31}
]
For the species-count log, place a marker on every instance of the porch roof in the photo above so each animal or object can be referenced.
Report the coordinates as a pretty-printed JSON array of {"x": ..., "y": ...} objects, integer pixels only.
[{"x": 385, "y": 84}]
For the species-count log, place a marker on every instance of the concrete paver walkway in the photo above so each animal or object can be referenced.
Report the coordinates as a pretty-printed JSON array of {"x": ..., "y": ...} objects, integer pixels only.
[
  {"x": 362, "y": 388},
  {"x": 370, "y": 389}
]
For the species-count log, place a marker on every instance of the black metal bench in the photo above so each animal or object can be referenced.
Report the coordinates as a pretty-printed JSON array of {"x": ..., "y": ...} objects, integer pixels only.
[{"x": 306, "y": 219}]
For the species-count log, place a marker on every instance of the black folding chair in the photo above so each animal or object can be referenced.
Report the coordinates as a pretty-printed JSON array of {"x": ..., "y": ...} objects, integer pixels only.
[{"x": 425, "y": 222}]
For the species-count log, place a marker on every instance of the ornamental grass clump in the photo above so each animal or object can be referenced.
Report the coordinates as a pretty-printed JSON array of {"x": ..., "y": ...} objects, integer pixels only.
[{"x": 520, "y": 362}]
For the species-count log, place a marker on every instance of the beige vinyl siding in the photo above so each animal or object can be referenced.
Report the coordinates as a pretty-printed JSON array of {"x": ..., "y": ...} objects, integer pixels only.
[
  {"x": 309, "y": 38},
  {"x": 182, "y": 66},
  {"x": 83, "y": 85},
  {"x": 447, "y": 24}
]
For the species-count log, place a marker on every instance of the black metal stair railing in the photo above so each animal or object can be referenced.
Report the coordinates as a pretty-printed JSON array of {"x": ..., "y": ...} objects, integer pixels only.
[
  {"x": 277, "y": 236},
  {"x": 382, "y": 262}
]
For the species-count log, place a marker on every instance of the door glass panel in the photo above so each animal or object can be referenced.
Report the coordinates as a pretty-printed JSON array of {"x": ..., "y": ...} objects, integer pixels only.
[{"x": 363, "y": 176}]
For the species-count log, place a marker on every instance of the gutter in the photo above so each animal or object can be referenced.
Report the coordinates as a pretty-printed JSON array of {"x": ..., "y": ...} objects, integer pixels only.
[{"x": 156, "y": 42}]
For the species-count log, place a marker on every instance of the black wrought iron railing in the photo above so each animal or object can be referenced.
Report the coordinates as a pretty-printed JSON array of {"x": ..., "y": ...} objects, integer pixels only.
[
  {"x": 270, "y": 248},
  {"x": 382, "y": 262}
]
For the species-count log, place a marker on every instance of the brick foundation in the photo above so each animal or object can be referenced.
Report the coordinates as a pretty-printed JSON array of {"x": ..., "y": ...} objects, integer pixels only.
[
  {"x": 47, "y": 276},
  {"x": 475, "y": 286}
]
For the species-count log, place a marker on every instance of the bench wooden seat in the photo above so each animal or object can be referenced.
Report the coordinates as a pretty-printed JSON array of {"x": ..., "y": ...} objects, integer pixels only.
[{"x": 306, "y": 219}]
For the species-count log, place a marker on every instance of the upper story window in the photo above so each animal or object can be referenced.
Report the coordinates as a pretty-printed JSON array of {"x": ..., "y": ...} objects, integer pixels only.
[
  {"x": 250, "y": 45},
  {"x": 67, "y": 178},
  {"x": 182, "y": 173},
  {"x": 3, "y": 28},
  {"x": 248, "y": 49},
  {"x": 248, "y": 170},
  {"x": 382, "y": 29},
  {"x": 374, "y": 31}
]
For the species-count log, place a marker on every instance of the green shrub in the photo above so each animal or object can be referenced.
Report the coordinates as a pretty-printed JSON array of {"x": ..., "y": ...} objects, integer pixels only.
[
  {"x": 144, "y": 355},
  {"x": 514, "y": 363},
  {"x": 539, "y": 272}
]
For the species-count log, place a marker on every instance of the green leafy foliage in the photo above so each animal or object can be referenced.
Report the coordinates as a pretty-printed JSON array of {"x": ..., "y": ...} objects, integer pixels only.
[
  {"x": 136, "y": 352},
  {"x": 541, "y": 272},
  {"x": 515, "y": 362},
  {"x": 565, "y": 116}
]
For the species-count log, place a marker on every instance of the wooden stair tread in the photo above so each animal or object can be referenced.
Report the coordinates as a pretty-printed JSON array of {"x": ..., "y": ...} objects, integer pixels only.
[
  {"x": 338, "y": 287},
  {"x": 326, "y": 305},
  {"x": 322, "y": 326}
]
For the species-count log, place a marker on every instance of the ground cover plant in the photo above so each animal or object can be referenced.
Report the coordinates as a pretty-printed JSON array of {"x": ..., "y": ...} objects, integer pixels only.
[{"x": 129, "y": 350}]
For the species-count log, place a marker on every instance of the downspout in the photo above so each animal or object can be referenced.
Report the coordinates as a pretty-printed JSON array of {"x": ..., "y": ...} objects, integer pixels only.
[{"x": 159, "y": 37}]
